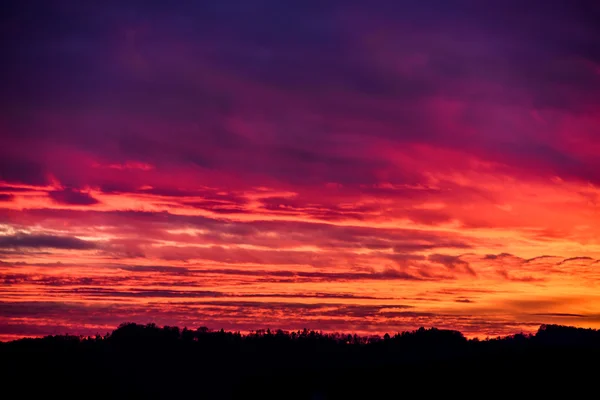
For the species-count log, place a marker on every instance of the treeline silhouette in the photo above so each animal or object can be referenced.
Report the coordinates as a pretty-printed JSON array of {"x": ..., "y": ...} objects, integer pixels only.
[{"x": 146, "y": 361}]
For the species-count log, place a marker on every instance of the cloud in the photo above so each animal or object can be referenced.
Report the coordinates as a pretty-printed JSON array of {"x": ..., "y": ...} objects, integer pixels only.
[
  {"x": 497, "y": 256},
  {"x": 216, "y": 207},
  {"x": 156, "y": 268},
  {"x": 19, "y": 170},
  {"x": 20, "y": 241},
  {"x": 575, "y": 259},
  {"x": 540, "y": 258},
  {"x": 452, "y": 262},
  {"x": 274, "y": 233},
  {"x": 72, "y": 197},
  {"x": 566, "y": 315},
  {"x": 6, "y": 197},
  {"x": 542, "y": 304},
  {"x": 146, "y": 294},
  {"x": 95, "y": 292},
  {"x": 57, "y": 281},
  {"x": 388, "y": 274},
  {"x": 522, "y": 278},
  {"x": 246, "y": 72}
]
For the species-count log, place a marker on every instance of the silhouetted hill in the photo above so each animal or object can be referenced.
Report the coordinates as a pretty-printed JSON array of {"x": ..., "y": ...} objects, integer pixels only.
[{"x": 146, "y": 361}]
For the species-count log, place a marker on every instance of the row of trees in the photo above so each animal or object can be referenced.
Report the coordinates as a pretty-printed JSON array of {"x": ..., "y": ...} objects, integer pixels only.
[
  {"x": 147, "y": 361},
  {"x": 140, "y": 334}
]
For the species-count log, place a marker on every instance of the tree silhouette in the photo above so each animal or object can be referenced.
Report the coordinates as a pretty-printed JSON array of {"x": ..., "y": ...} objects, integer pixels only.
[{"x": 146, "y": 361}]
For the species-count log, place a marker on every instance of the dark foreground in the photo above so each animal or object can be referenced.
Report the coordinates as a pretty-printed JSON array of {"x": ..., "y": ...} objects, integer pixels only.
[{"x": 138, "y": 361}]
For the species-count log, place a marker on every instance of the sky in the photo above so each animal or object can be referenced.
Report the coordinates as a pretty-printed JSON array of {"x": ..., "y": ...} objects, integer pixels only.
[{"x": 349, "y": 166}]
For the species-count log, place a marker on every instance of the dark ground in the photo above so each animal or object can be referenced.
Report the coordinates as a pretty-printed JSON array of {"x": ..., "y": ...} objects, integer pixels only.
[{"x": 138, "y": 361}]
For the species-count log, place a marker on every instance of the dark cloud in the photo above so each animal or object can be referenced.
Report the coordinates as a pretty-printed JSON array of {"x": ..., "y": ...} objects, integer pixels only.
[
  {"x": 91, "y": 292},
  {"x": 566, "y": 260},
  {"x": 49, "y": 309},
  {"x": 388, "y": 274},
  {"x": 99, "y": 292},
  {"x": 20, "y": 170},
  {"x": 156, "y": 268},
  {"x": 58, "y": 281},
  {"x": 26, "y": 241},
  {"x": 6, "y": 197},
  {"x": 565, "y": 315},
  {"x": 497, "y": 256},
  {"x": 451, "y": 262},
  {"x": 511, "y": 276},
  {"x": 294, "y": 84},
  {"x": 540, "y": 258},
  {"x": 13, "y": 189},
  {"x": 320, "y": 210},
  {"x": 432, "y": 243},
  {"x": 271, "y": 233},
  {"x": 72, "y": 197},
  {"x": 216, "y": 207},
  {"x": 22, "y": 309},
  {"x": 540, "y": 304}
]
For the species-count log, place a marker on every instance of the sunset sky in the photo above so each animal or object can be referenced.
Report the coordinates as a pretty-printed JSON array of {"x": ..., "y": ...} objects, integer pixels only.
[{"x": 355, "y": 166}]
